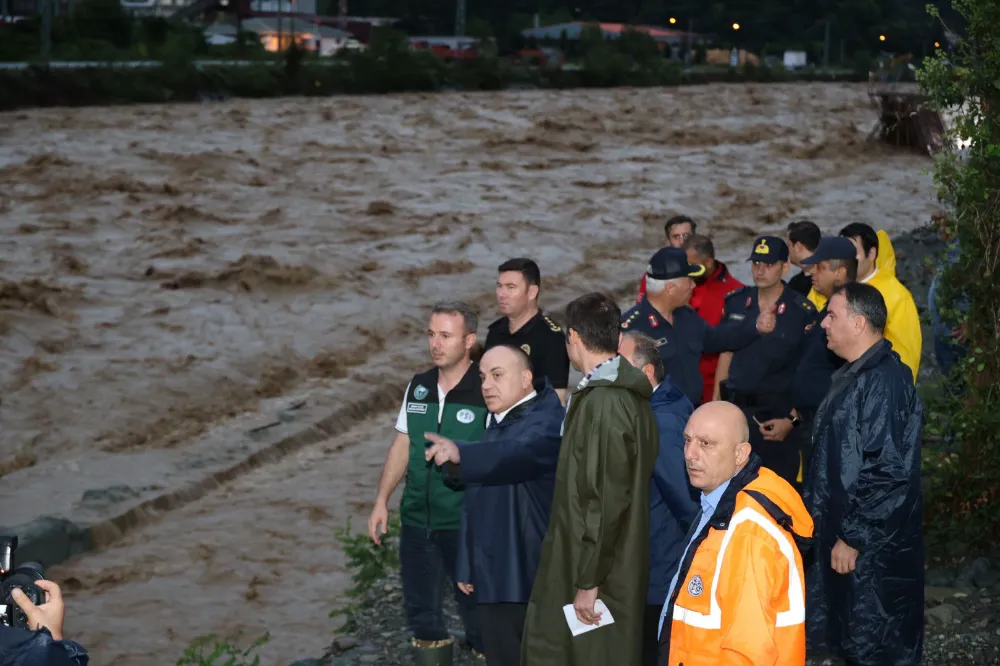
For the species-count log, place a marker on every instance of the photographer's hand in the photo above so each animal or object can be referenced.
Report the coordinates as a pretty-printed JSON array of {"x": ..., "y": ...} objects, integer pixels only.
[{"x": 49, "y": 614}]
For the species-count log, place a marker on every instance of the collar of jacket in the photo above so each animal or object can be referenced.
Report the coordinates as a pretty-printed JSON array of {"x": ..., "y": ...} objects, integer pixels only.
[
  {"x": 869, "y": 359},
  {"x": 721, "y": 272},
  {"x": 517, "y": 413},
  {"x": 727, "y": 505},
  {"x": 666, "y": 393}
]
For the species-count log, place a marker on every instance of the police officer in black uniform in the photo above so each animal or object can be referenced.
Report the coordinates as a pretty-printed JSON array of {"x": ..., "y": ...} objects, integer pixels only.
[
  {"x": 680, "y": 334},
  {"x": 524, "y": 325},
  {"x": 761, "y": 374},
  {"x": 834, "y": 264}
]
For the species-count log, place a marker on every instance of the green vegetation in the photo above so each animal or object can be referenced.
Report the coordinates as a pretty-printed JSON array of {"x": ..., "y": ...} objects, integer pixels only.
[
  {"x": 387, "y": 65},
  {"x": 963, "y": 484},
  {"x": 369, "y": 564},
  {"x": 210, "y": 651}
]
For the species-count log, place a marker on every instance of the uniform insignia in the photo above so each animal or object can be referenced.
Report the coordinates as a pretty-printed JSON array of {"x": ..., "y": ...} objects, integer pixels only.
[
  {"x": 420, "y": 392},
  {"x": 627, "y": 322},
  {"x": 696, "y": 586},
  {"x": 465, "y": 416},
  {"x": 809, "y": 327},
  {"x": 526, "y": 348},
  {"x": 554, "y": 327},
  {"x": 661, "y": 342},
  {"x": 781, "y": 308},
  {"x": 749, "y": 301},
  {"x": 762, "y": 247},
  {"x": 808, "y": 306},
  {"x": 653, "y": 322},
  {"x": 416, "y": 408}
]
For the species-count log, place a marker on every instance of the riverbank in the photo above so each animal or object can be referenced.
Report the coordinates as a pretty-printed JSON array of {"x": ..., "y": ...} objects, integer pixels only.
[
  {"x": 962, "y": 596},
  {"x": 117, "y": 83}
]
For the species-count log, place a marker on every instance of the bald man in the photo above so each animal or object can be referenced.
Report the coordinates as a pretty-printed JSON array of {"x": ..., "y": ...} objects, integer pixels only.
[
  {"x": 509, "y": 478},
  {"x": 738, "y": 596}
]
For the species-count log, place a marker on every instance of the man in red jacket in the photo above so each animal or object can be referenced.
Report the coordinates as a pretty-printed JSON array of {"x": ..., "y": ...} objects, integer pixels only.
[{"x": 708, "y": 299}]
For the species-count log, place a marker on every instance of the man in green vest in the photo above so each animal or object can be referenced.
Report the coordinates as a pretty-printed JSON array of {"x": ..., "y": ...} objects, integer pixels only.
[{"x": 448, "y": 400}]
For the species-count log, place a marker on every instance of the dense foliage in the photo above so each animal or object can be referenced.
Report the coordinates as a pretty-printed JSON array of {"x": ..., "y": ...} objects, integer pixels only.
[
  {"x": 963, "y": 502},
  {"x": 388, "y": 65}
]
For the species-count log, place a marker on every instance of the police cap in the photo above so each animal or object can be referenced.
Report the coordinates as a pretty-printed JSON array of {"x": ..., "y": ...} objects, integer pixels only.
[
  {"x": 671, "y": 262},
  {"x": 769, "y": 250}
]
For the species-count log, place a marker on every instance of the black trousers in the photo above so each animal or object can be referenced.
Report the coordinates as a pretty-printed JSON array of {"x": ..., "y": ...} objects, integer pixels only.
[
  {"x": 783, "y": 457},
  {"x": 502, "y": 627},
  {"x": 651, "y": 634}
]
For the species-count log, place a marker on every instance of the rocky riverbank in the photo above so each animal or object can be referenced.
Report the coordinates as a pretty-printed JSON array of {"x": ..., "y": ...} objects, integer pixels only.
[{"x": 962, "y": 597}]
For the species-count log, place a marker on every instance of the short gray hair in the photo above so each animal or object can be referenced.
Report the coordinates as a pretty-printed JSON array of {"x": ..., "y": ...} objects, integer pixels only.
[
  {"x": 647, "y": 353},
  {"x": 654, "y": 286},
  {"x": 468, "y": 314}
]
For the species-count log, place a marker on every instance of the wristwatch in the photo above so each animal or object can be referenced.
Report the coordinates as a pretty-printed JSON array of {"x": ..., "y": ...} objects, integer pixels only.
[{"x": 795, "y": 420}]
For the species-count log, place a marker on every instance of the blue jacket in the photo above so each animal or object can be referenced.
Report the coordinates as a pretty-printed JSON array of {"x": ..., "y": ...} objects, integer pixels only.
[
  {"x": 672, "y": 503},
  {"x": 509, "y": 477},
  {"x": 20, "y": 647}
]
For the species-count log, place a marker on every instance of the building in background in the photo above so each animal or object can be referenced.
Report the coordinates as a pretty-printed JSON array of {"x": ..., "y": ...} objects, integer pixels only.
[{"x": 676, "y": 39}]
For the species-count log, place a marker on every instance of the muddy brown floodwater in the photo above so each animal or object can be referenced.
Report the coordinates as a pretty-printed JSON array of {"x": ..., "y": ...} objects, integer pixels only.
[{"x": 164, "y": 268}]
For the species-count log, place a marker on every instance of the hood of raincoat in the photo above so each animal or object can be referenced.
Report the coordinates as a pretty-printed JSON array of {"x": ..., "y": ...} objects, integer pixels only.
[
  {"x": 886, "y": 260},
  {"x": 619, "y": 373}
]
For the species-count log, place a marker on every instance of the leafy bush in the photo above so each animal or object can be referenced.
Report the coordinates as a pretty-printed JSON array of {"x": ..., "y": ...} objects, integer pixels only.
[
  {"x": 963, "y": 485},
  {"x": 369, "y": 564}
]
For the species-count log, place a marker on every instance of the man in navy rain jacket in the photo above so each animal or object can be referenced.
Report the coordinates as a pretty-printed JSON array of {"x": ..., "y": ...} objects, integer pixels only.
[
  {"x": 509, "y": 479},
  {"x": 672, "y": 506}
]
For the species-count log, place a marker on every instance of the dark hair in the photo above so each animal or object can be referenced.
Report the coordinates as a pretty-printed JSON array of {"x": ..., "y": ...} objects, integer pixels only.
[
  {"x": 679, "y": 219},
  {"x": 596, "y": 319},
  {"x": 647, "y": 353},
  {"x": 850, "y": 264},
  {"x": 466, "y": 311},
  {"x": 804, "y": 232},
  {"x": 702, "y": 245},
  {"x": 866, "y": 301},
  {"x": 526, "y": 267},
  {"x": 864, "y": 233}
]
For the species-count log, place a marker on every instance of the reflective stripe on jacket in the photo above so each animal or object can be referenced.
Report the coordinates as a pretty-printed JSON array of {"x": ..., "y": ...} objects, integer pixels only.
[{"x": 741, "y": 595}]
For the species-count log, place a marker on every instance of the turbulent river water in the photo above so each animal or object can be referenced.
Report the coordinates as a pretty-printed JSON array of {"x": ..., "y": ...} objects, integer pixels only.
[{"x": 163, "y": 268}]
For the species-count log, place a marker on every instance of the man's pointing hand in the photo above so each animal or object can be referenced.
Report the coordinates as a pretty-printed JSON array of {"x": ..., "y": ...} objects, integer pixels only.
[{"x": 442, "y": 449}]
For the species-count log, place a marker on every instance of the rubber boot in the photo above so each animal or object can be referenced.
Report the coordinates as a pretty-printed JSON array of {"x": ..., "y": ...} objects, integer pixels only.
[{"x": 438, "y": 653}]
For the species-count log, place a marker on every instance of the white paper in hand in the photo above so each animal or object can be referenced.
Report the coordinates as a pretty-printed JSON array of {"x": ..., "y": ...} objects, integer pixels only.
[{"x": 578, "y": 627}]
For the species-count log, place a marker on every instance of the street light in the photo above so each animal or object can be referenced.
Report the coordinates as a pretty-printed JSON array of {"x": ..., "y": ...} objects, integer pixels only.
[
  {"x": 672, "y": 20},
  {"x": 736, "y": 26},
  {"x": 881, "y": 38},
  {"x": 937, "y": 45}
]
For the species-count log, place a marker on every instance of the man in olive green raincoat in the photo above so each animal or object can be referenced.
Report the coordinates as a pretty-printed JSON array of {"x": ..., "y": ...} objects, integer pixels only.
[{"x": 597, "y": 544}]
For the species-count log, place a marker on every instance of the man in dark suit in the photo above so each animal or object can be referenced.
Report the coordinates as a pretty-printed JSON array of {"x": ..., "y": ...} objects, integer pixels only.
[{"x": 509, "y": 477}]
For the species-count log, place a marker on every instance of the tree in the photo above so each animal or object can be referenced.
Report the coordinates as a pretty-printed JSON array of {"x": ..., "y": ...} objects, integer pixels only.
[{"x": 965, "y": 489}]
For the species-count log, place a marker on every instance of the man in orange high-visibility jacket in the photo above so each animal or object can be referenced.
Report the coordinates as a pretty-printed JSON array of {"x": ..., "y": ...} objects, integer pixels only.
[{"x": 739, "y": 595}]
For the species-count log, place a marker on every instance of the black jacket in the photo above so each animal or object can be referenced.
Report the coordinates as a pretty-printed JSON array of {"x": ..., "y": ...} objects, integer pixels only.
[
  {"x": 863, "y": 487},
  {"x": 20, "y": 647},
  {"x": 509, "y": 477}
]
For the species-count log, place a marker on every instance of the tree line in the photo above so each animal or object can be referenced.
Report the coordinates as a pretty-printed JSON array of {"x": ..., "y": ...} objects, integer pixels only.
[{"x": 769, "y": 26}]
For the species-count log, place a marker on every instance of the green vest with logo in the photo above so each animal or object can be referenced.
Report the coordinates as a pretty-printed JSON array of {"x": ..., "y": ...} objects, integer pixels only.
[{"x": 429, "y": 502}]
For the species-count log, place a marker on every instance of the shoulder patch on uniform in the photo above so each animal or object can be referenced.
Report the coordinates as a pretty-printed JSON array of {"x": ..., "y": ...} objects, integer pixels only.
[
  {"x": 738, "y": 290},
  {"x": 552, "y": 325}
]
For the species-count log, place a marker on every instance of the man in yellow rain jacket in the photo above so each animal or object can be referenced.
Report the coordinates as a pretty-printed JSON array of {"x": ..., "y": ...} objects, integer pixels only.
[
  {"x": 739, "y": 595},
  {"x": 877, "y": 267}
]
